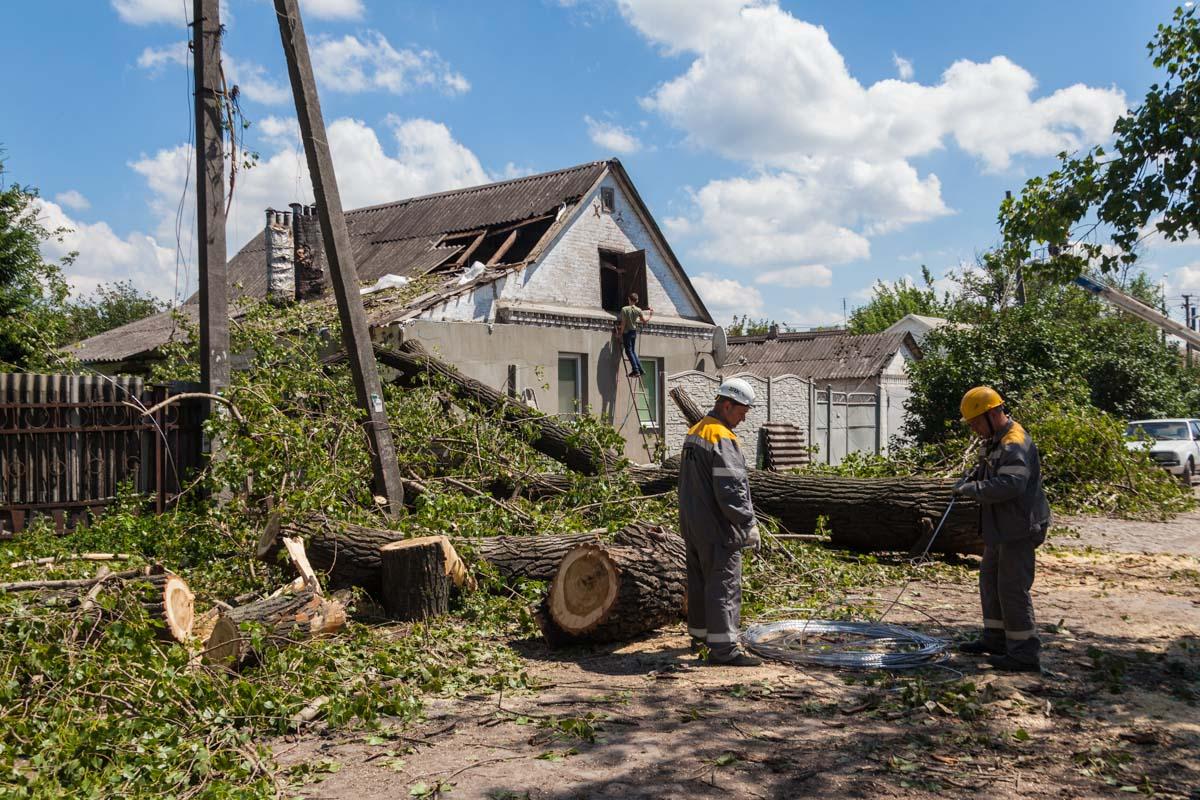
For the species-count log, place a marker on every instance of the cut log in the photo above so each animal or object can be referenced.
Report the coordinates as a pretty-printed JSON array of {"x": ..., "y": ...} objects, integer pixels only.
[
  {"x": 220, "y": 640},
  {"x": 533, "y": 557},
  {"x": 416, "y": 578},
  {"x": 610, "y": 593},
  {"x": 167, "y": 599},
  {"x": 415, "y": 366},
  {"x": 288, "y": 618}
]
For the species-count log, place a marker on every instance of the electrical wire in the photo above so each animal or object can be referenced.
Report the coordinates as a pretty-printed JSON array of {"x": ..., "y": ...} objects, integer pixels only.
[{"x": 844, "y": 644}]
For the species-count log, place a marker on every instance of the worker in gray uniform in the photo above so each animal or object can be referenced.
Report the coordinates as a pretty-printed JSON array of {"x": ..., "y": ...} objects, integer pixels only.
[
  {"x": 1007, "y": 484},
  {"x": 716, "y": 516}
]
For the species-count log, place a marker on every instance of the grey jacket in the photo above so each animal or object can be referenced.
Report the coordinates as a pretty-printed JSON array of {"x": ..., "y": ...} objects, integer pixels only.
[
  {"x": 1008, "y": 485},
  {"x": 714, "y": 489}
]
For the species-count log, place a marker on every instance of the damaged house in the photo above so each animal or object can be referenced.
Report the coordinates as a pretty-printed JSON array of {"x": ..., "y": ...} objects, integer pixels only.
[{"x": 525, "y": 280}]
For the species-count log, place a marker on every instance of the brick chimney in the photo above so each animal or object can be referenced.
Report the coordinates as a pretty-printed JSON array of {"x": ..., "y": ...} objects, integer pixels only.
[
  {"x": 281, "y": 271},
  {"x": 311, "y": 273}
]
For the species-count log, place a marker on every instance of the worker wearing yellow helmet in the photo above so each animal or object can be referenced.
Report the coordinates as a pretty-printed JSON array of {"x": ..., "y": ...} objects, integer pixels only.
[{"x": 1014, "y": 515}]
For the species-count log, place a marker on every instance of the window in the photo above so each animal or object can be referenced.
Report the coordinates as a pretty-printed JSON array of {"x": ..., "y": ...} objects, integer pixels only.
[
  {"x": 648, "y": 405},
  {"x": 620, "y": 274},
  {"x": 1196, "y": 430},
  {"x": 608, "y": 199},
  {"x": 571, "y": 398}
]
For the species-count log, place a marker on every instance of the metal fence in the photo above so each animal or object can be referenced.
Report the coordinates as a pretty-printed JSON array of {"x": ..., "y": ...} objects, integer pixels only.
[
  {"x": 68, "y": 442},
  {"x": 845, "y": 422}
]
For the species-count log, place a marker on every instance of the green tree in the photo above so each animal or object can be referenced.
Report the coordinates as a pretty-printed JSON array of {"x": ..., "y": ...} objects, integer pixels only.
[
  {"x": 745, "y": 326},
  {"x": 1061, "y": 337},
  {"x": 32, "y": 290},
  {"x": 110, "y": 306},
  {"x": 890, "y": 304},
  {"x": 1147, "y": 179}
]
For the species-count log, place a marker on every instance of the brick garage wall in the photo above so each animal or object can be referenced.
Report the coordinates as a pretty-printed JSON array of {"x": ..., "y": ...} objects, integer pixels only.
[{"x": 569, "y": 272}]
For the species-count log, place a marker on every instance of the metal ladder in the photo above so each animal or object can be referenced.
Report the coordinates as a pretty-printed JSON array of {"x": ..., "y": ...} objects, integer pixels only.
[{"x": 651, "y": 435}]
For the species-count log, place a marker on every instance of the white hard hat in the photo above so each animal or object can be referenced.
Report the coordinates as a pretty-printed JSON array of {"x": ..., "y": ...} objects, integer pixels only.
[{"x": 737, "y": 390}]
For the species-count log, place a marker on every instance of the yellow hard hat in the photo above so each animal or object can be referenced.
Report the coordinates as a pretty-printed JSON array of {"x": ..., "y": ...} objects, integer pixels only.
[{"x": 979, "y": 400}]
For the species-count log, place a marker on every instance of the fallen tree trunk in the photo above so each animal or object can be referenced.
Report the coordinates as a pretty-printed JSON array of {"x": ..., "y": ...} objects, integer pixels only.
[
  {"x": 415, "y": 366},
  {"x": 346, "y": 553},
  {"x": 538, "y": 557},
  {"x": 168, "y": 600},
  {"x": 687, "y": 406},
  {"x": 867, "y": 514},
  {"x": 613, "y": 593}
]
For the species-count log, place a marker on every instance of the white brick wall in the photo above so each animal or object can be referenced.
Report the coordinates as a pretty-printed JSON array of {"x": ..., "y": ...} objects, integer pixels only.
[{"x": 569, "y": 272}]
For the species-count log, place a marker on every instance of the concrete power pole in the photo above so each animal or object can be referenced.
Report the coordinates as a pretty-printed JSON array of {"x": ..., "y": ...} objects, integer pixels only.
[
  {"x": 210, "y": 198},
  {"x": 356, "y": 334}
]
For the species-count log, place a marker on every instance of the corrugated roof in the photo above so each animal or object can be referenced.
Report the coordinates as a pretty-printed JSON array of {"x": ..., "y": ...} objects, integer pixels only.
[
  {"x": 137, "y": 337},
  {"x": 825, "y": 355}
]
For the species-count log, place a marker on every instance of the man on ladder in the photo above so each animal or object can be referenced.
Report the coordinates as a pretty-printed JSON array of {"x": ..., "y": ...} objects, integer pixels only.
[{"x": 631, "y": 317}]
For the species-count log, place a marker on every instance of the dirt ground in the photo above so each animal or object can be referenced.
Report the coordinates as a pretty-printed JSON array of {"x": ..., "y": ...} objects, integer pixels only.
[{"x": 1115, "y": 710}]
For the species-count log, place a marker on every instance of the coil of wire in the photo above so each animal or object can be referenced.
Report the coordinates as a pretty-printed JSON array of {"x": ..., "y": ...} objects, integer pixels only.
[{"x": 844, "y": 645}]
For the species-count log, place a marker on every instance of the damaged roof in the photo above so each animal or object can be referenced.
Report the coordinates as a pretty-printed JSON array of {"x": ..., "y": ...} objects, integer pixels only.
[
  {"x": 826, "y": 355},
  {"x": 406, "y": 237},
  {"x": 410, "y": 238}
]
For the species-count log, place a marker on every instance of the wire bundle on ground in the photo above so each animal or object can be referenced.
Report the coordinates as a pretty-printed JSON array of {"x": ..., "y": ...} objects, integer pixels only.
[{"x": 844, "y": 645}]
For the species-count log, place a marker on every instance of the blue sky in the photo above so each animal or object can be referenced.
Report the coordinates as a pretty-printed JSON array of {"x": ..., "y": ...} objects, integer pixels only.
[{"x": 794, "y": 152}]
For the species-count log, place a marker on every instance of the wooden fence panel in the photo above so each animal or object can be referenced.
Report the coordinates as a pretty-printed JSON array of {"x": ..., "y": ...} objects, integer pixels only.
[{"x": 68, "y": 442}]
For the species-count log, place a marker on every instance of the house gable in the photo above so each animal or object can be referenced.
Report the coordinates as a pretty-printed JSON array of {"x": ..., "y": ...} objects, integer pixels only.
[{"x": 568, "y": 273}]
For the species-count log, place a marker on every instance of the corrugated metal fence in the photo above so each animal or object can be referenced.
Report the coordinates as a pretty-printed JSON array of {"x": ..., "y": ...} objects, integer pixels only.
[{"x": 67, "y": 442}]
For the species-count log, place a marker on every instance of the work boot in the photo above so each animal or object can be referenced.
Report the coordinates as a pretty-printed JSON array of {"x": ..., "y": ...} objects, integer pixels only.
[
  {"x": 740, "y": 659},
  {"x": 981, "y": 647},
  {"x": 1006, "y": 663}
]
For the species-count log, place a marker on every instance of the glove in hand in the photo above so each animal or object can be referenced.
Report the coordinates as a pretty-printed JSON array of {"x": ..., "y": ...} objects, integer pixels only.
[
  {"x": 754, "y": 539},
  {"x": 963, "y": 487}
]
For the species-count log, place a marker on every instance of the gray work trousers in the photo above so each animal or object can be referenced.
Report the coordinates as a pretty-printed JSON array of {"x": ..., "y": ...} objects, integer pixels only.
[
  {"x": 1005, "y": 578},
  {"x": 714, "y": 582}
]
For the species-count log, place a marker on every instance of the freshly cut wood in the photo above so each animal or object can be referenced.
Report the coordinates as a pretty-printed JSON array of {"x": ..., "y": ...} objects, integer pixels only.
[
  {"x": 288, "y": 618},
  {"x": 167, "y": 599},
  {"x": 294, "y": 546},
  {"x": 610, "y": 593},
  {"x": 866, "y": 514},
  {"x": 414, "y": 365},
  {"x": 417, "y": 575},
  {"x": 220, "y": 640}
]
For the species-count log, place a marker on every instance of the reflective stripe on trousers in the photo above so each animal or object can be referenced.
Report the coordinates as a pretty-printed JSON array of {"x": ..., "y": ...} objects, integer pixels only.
[
  {"x": 714, "y": 575},
  {"x": 1005, "y": 579}
]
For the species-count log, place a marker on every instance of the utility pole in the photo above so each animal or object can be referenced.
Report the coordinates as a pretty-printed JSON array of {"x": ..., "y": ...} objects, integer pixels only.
[
  {"x": 356, "y": 334},
  {"x": 210, "y": 198},
  {"x": 1188, "y": 320}
]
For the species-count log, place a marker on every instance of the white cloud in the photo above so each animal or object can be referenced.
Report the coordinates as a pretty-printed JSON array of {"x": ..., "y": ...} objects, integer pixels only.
[
  {"x": 726, "y": 298},
  {"x": 830, "y": 157},
  {"x": 332, "y": 9},
  {"x": 149, "y": 12},
  {"x": 611, "y": 137},
  {"x": 811, "y": 317},
  {"x": 797, "y": 277},
  {"x": 1184, "y": 280},
  {"x": 155, "y": 59},
  {"x": 351, "y": 64},
  {"x": 421, "y": 157},
  {"x": 73, "y": 199},
  {"x": 769, "y": 88},
  {"x": 255, "y": 82},
  {"x": 104, "y": 257},
  {"x": 904, "y": 67}
]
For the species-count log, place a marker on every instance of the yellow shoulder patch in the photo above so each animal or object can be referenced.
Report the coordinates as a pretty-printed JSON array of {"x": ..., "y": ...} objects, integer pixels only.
[
  {"x": 1016, "y": 435},
  {"x": 711, "y": 431}
]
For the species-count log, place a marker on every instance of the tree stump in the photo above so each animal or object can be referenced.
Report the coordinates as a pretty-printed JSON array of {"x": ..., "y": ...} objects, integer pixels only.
[
  {"x": 416, "y": 578},
  {"x": 611, "y": 593}
]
